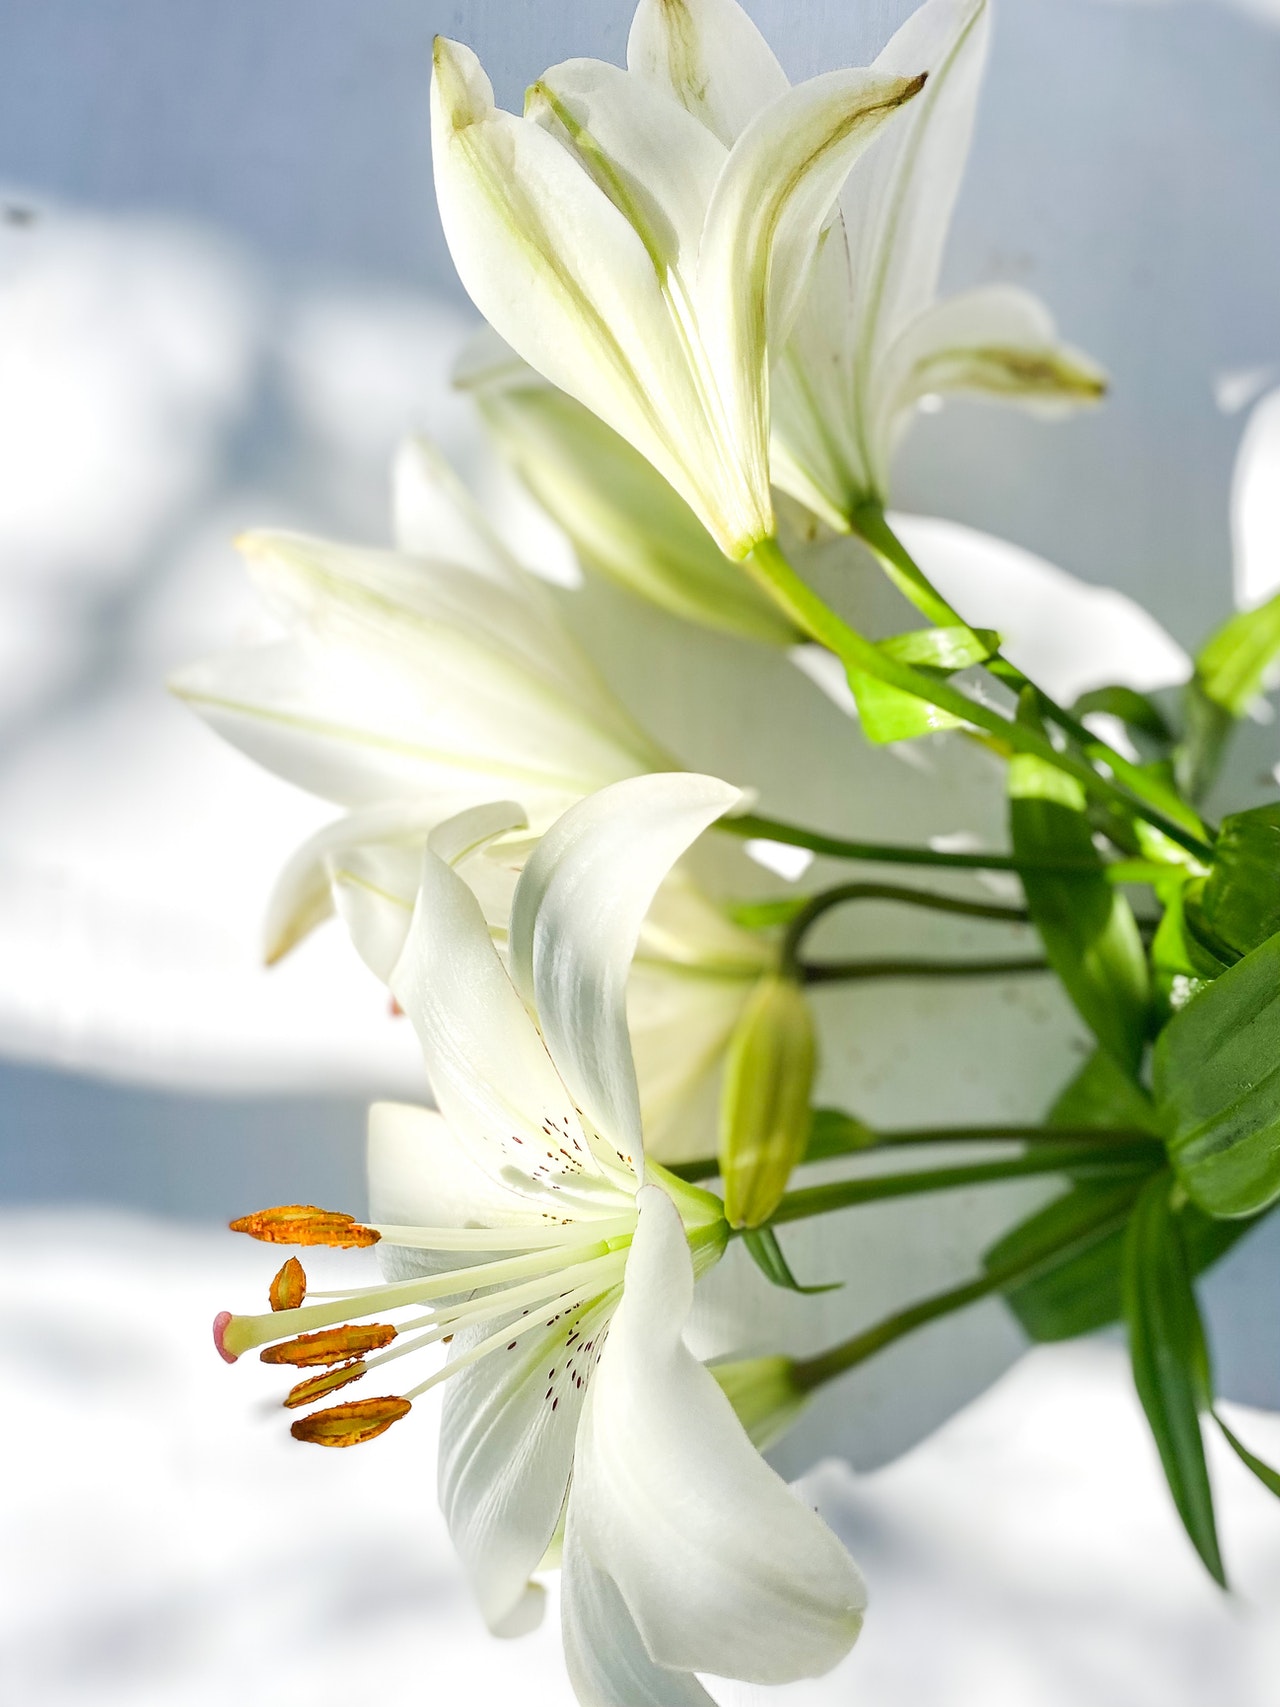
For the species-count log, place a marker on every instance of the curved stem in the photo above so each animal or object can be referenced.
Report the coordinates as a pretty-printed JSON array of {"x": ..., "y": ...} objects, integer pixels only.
[
  {"x": 871, "y": 525},
  {"x": 844, "y": 893},
  {"x": 1091, "y": 1160},
  {"x": 812, "y": 1372},
  {"x": 797, "y": 599},
  {"x": 852, "y": 971}
]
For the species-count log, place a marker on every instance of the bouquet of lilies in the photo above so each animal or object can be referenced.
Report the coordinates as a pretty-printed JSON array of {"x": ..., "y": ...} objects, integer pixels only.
[{"x": 630, "y": 1241}]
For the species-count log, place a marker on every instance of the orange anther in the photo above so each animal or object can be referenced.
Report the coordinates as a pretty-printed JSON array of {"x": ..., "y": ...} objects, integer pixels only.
[
  {"x": 289, "y": 1287},
  {"x": 349, "y": 1424},
  {"x": 304, "y": 1224},
  {"x": 316, "y": 1386},
  {"x": 330, "y": 1345}
]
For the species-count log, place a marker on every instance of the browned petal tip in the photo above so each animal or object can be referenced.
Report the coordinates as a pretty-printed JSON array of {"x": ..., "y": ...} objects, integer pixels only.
[
  {"x": 330, "y": 1345},
  {"x": 289, "y": 1287},
  {"x": 304, "y": 1224},
  {"x": 349, "y": 1424},
  {"x": 316, "y": 1386}
]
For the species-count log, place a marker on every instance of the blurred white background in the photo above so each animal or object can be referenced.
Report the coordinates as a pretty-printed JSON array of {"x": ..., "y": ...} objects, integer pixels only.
[{"x": 223, "y": 298}]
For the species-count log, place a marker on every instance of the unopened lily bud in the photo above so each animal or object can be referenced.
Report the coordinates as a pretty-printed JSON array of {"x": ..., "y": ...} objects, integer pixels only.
[
  {"x": 316, "y": 1386},
  {"x": 764, "y": 1394},
  {"x": 352, "y": 1423},
  {"x": 304, "y": 1224},
  {"x": 330, "y": 1345},
  {"x": 764, "y": 1107},
  {"x": 289, "y": 1287}
]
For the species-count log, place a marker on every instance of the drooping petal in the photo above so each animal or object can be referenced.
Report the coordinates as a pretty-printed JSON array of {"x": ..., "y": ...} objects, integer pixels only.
[
  {"x": 998, "y": 342},
  {"x": 575, "y": 921},
  {"x": 763, "y": 225},
  {"x": 605, "y": 1653},
  {"x": 489, "y": 1069},
  {"x": 710, "y": 57},
  {"x": 556, "y": 269},
  {"x": 722, "y": 1568},
  {"x": 507, "y": 1433}
]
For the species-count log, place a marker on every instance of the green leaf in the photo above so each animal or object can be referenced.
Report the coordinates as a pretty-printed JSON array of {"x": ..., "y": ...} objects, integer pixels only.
[
  {"x": 1133, "y": 709},
  {"x": 766, "y": 1253},
  {"x": 944, "y": 649},
  {"x": 763, "y": 915},
  {"x": 1238, "y": 905},
  {"x": 1181, "y": 963},
  {"x": 1217, "y": 1086},
  {"x": 1207, "y": 728},
  {"x": 1170, "y": 1360},
  {"x": 832, "y": 1132},
  {"x": 1101, "y": 1094},
  {"x": 1233, "y": 665},
  {"x": 887, "y": 713},
  {"x": 1266, "y": 1475},
  {"x": 1087, "y": 926}
]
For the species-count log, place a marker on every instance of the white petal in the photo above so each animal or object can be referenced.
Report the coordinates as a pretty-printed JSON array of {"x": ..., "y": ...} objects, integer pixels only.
[
  {"x": 1065, "y": 634},
  {"x": 721, "y": 1566},
  {"x": 435, "y": 516},
  {"x": 680, "y": 1023},
  {"x": 996, "y": 342},
  {"x": 488, "y": 1067},
  {"x": 556, "y": 269},
  {"x": 507, "y": 1433},
  {"x": 605, "y": 1653},
  {"x": 655, "y": 163},
  {"x": 763, "y": 225},
  {"x": 710, "y": 56},
  {"x": 898, "y": 202},
  {"x": 575, "y": 920}
]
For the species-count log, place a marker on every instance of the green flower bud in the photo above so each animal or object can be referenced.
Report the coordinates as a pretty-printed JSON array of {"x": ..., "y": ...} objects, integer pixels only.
[{"x": 764, "y": 1107}]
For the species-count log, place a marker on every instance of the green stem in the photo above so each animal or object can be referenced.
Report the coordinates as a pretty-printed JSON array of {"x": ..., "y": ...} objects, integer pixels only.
[
  {"x": 812, "y": 1372},
  {"x": 768, "y": 564},
  {"x": 753, "y": 826},
  {"x": 845, "y": 893},
  {"x": 1093, "y": 1160},
  {"x": 853, "y": 971},
  {"x": 871, "y": 525}
]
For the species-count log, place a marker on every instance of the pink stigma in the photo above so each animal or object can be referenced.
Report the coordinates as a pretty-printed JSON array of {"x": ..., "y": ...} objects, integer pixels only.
[{"x": 221, "y": 1322}]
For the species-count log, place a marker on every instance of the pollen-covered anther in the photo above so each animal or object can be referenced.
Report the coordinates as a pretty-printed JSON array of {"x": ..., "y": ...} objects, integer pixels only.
[
  {"x": 351, "y": 1423},
  {"x": 330, "y": 1345},
  {"x": 316, "y": 1386},
  {"x": 304, "y": 1224},
  {"x": 289, "y": 1287}
]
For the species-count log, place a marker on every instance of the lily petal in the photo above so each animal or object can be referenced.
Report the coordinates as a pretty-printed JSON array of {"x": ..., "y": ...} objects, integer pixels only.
[
  {"x": 575, "y": 920},
  {"x": 710, "y": 56},
  {"x": 763, "y": 225},
  {"x": 555, "y": 268},
  {"x": 435, "y": 516},
  {"x": 489, "y": 1069},
  {"x": 722, "y": 1568}
]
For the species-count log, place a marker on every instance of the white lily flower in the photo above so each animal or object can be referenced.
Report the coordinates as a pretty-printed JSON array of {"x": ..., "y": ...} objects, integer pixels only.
[
  {"x": 520, "y": 1218},
  {"x": 870, "y": 340},
  {"x": 642, "y": 265}
]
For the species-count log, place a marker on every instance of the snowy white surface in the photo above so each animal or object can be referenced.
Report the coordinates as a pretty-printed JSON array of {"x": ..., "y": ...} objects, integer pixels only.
[{"x": 163, "y": 1542}]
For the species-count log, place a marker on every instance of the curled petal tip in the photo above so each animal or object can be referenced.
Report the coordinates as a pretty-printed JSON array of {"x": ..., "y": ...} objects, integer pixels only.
[{"x": 221, "y": 1322}]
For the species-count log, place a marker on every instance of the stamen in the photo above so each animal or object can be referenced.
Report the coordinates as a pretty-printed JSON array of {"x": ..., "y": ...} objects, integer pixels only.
[
  {"x": 352, "y": 1423},
  {"x": 333, "y": 1345},
  {"x": 506, "y": 1238},
  {"x": 304, "y": 1224},
  {"x": 289, "y": 1287},
  {"x": 316, "y": 1386}
]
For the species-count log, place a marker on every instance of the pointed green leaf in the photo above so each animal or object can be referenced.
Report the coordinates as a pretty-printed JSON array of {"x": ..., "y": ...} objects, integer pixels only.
[
  {"x": 1087, "y": 927},
  {"x": 888, "y": 714},
  {"x": 1136, "y": 710},
  {"x": 1238, "y": 905},
  {"x": 835, "y": 1133},
  {"x": 1170, "y": 1361},
  {"x": 1266, "y": 1475},
  {"x": 1233, "y": 665},
  {"x": 765, "y": 1251},
  {"x": 1102, "y": 1095},
  {"x": 1207, "y": 728},
  {"x": 944, "y": 649},
  {"x": 1217, "y": 1084}
]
